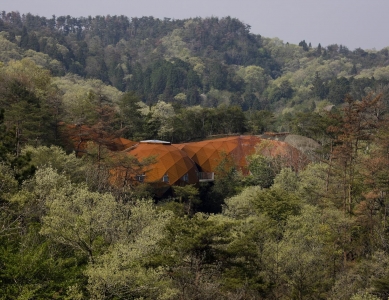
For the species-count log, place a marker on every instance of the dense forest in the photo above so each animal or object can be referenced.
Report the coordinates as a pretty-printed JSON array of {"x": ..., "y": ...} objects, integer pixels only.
[{"x": 318, "y": 232}]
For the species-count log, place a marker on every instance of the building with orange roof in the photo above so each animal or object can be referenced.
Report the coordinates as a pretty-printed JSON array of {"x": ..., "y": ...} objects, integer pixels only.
[
  {"x": 172, "y": 166},
  {"x": 187, "y": 163},
  {"x": 208, "y": 154}
]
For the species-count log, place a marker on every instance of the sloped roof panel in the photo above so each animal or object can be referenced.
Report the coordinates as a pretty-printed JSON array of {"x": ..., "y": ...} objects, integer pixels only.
[
  {"x": 208, "y": 154},
  {"x": 167, "y": 160},
  {"x": 170, "y": 160}
]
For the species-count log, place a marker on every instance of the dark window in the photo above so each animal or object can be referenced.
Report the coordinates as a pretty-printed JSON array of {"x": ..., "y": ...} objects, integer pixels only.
[
  {"x": 165, "y": 178},
  {"x": 141, "y": 177},
  {"x": 185, "y": 177}
]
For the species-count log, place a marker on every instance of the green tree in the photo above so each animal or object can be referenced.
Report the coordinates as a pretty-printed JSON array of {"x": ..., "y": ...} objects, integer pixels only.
[
  {"x": 319, "y": 89},
  {"x": 226, "y": 184},
  {"x": 24, "y": 38},
  {"x": 277, "y": 204},
  {"x": 286, "y": 180},
  {"x": 74, "y": 216},
  {"x": 306, "y": 269},
  {"x": 24, "y": 92},
  {"x": 126, "y": 269},
  {"x": 259, "y": 121},
  {"x": 262, "y": 170},
  {"x": 338, "y": 89},
  {"x": 131, "y": 119},
  {"x": 20, "y": 164},
  {"x": 189, "y": 195},
  {"x": 319, "y": 49},
  {"x": 304, "y": 45},
  {"x": 193, "y": 252},
  {"x": 55, "y": 157}
]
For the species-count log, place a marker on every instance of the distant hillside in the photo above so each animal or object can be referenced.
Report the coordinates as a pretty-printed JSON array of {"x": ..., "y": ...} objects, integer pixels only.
[{"x": 207, "y": 61}]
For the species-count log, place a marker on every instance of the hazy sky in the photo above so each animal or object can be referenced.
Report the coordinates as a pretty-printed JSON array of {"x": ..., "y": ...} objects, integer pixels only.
[{"x": 353, "y": 23}]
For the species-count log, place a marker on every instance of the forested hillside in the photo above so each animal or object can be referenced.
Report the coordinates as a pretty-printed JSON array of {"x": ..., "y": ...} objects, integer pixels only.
[
  {"x": 196, "y": 61},
  {"x": 279, "y": 232}
]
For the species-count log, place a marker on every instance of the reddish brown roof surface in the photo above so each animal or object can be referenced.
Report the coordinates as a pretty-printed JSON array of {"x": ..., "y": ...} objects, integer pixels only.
[
  {"x": 290, "y": 155},
  {"x": 176, "y": 164},
  {"x": 208, "y": 154},
  {"x": 170, "y": 161}
]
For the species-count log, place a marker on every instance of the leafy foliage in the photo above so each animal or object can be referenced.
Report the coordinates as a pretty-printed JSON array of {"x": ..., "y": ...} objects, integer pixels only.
[{"x": 69, "y": 231}]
